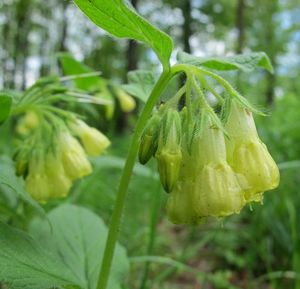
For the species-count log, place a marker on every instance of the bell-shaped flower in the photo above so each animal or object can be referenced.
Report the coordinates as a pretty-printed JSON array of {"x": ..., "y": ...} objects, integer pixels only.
[
  {"x": 59, "y": 183},
  {"x": 248, "y": 155},
  {"x": 207, "y": 186},
  {"x": 94, "y": 141},
  {"x": 218, "y": 191},
  {"x": 180, "y": 207},
  {"x": 36, "y": 182},
  {"x": 74, "y": 159}
]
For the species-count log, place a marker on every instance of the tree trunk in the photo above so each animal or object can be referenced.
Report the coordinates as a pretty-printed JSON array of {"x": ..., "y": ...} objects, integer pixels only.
[
  {"x": 132, "y": 64},
  {"x": 240, "y": 25},
  {"x": 132, "y": 50},
  {"x": 187, "y": 25}
]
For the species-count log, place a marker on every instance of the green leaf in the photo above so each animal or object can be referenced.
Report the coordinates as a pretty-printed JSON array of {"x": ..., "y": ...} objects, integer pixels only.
[
  {"x": 26, "y": 264},
  {"x": 15, "y": 184},
  {"x": 141, "y": 83},
  {"x": 78, "y": 238},
  {"x": 244, "y": 62},
  {"x": 71, "y": 66},
  {"x": 67, "y": 253},
  {"x": 5, "y": 106},
  {"x": 121, "y": 20}
]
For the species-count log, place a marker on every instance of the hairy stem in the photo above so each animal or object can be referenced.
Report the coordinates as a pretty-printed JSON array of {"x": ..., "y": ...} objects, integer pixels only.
[{"x": 127, "y": 172}]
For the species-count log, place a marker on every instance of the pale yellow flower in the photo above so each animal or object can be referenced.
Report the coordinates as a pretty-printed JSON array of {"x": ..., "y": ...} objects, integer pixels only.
[
  {"x": 248, "y": 155},
  {"x": 59, "y": 183},
  {"x": 74, "y": 159},
  {"x": 94, "y": 141},
  {"x": 37, "y": 183}
]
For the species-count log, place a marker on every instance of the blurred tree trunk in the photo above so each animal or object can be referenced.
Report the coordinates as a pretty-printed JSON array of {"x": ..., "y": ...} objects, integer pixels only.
[
  {"x": 186, "y": 8},
  {"x": 64, "y": 27},
  {"x": 132, "y": 64},
  {"x": 21, "y": 43},
  {"x": 240, "y": 25},
  {"x": 187, "y": 24},
  {"x": 132, "y": 50},
  {"x": 8, "y": 46},
  {"x": 271, "y": 47}
]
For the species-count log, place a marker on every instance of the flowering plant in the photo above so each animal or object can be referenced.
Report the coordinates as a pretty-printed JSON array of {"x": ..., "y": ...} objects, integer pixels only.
[{"x": 210, "y": 159}]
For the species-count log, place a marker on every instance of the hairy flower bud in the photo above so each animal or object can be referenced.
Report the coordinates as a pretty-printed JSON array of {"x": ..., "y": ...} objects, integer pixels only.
[
  {"x": 248, "y": 155},
  {"x": 149, "y": 139},
  {"x": 169, "y": 154},
  {"x": 93, "y": 140},
  {"x": 27, "y": 123},
  {"x": 127, "y": 102},
  {"x": 75, "y": 162}
]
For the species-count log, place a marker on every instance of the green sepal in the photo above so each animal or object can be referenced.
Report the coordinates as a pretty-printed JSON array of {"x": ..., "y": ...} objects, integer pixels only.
[{"x": 171, "y": 130}]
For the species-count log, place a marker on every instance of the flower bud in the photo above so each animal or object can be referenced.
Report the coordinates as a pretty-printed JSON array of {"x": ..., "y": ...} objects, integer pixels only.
[
  {"x": 248, "y": 155},
  {"x": 127, "y": 102},
  {"x": 168, "y": 167},
  {"x": 27, "y": 123},
  {"x": 75, "y": 162},
  {"x": 169, "y": 154},
  {"x": 93, "y": 140},
  {"x": 149, "y": 139}
]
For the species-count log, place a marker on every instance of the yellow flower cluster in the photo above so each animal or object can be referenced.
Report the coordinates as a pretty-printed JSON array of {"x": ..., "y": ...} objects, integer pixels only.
[
  {"x": 213, "y": 174},
  {"x": 51, "y": 173}
]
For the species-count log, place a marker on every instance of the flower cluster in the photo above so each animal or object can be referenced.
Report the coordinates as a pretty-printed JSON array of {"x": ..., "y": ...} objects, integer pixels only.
[
  {"x": 209, "y": 167},
  {"x": 53, "y": 157}
]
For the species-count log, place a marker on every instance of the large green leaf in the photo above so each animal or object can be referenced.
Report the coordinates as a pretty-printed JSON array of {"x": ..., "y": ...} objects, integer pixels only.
[
  {"x": 141, "y": 83},
  {"x": 15, "y": 184},
  {"x": 67, "y": 252},
  {"x": 26, "y": 264},
  {"x": 78, "y": 238},
  {"x": 5, "y": 106},
  {"x": 244, "y": 62},
  {"x": 121, "y": 20}
]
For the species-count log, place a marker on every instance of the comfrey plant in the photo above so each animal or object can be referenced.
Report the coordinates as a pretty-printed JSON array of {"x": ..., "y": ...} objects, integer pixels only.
[{"x": 209, "y": 156}]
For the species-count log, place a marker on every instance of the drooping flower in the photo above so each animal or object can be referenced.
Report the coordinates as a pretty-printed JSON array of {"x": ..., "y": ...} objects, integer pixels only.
[
  {"x": 73, "y": 157},
  {"x": 207, "y": 186},
  {"x": 59, "y": 184},
  {"x": 248, "y": 155},
  {"x": 37, "y": 183},
  {"x": 94, "y": 141}
]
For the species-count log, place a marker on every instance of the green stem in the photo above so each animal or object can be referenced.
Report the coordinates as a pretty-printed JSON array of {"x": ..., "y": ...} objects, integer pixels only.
[
  {"x": 123, "y": 187},
  {"x": 155, "y": 208}
]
